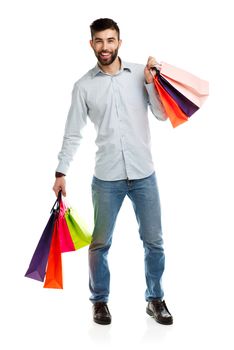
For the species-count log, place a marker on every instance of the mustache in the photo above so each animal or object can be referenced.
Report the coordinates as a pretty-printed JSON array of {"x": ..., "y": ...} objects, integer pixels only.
[{"x": 105, "y": 51}]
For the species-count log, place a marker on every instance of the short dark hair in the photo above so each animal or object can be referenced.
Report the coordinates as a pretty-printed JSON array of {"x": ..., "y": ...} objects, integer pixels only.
[{"x": 102, "y": 24}]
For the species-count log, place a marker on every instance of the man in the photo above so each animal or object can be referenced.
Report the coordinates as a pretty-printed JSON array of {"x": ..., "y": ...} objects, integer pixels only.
[{"x": 116, "y": 95}]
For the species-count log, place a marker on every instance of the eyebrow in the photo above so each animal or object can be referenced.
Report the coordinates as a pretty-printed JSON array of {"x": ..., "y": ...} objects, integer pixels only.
[{"x": 111, "y": 38}]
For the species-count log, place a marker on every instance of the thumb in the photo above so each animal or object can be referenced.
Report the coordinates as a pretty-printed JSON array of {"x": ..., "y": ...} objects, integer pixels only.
[{"x": 63, "y": 188}]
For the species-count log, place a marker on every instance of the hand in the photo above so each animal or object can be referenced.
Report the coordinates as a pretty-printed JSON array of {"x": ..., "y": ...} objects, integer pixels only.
[
  {"x": 148, "y": 71},
  {"x": 60, "y": 184}
]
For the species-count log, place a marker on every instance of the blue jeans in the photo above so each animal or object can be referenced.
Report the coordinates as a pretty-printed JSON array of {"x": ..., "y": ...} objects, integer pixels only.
[{"x": 107, "y": 198}]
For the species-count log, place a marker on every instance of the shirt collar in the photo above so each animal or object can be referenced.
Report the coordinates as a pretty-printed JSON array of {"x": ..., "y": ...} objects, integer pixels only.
[{"x": 124, "y": 66}]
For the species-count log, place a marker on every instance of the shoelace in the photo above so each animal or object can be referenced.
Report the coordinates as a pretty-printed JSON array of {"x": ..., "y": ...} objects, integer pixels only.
[
  {"x": 160, "y": 305},
  {"x": 99, "y": 306}
]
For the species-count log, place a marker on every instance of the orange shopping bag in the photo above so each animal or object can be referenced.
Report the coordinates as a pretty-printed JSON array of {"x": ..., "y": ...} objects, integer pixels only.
[{"x": 173, "y": 111}]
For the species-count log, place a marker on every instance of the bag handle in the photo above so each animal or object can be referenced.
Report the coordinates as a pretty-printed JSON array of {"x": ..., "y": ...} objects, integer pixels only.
[
  {"x": 156, "y": 69},
  {"x": 56, "y": 206}
]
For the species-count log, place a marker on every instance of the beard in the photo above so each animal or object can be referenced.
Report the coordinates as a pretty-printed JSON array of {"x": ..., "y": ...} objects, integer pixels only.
[{"x": 108, "y": 59}]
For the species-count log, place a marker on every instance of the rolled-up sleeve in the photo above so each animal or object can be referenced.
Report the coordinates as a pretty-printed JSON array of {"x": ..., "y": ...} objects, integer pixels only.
[
  {"x": 76, "y": 120},
  {"x": 155, "y": 104}
]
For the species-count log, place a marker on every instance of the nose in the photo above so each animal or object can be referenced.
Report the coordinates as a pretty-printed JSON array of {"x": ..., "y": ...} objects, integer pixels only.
[{"x": 104, "y": 46}]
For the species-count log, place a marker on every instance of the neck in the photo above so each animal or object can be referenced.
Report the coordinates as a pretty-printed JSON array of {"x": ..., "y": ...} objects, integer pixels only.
[{"x": 112, "y": 68}]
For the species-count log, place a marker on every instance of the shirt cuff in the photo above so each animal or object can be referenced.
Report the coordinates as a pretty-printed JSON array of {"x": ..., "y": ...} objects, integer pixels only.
[
  {"x": 156, "y": 104},
  {"x": 58, "y": 174},
  {"x": 150, "y": 87}
]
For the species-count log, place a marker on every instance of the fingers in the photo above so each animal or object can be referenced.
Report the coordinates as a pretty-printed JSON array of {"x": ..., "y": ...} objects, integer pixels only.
[
  {"x": 60, "y": 185},
  {"x": 64, "y": 191},
  {"x": 149, "y": 71},
  {"x": 151, "y": 62},
  {"x": 58, "y": 189}
]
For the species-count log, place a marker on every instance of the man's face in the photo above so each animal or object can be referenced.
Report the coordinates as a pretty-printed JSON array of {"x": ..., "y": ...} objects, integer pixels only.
[{"x": 105, "y": 45}]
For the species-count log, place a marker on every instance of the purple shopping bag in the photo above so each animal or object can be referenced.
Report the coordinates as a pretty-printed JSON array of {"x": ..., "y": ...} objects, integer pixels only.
[
  {"x": 187, "y": 106},
  {"x": 37, "y": 266}
]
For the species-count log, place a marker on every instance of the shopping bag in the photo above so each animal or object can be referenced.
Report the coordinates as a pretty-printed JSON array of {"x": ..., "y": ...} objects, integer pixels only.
[
  {"x": 54, "y": 268},
  {"x": 64, "y": 232},
  {"x": 37, "y": 266},
  {"x": 81, "y": 236},
  {"x": 173, "y": 111},
  {"x": 187, "y": 106},
  {"x": 189, "y": 85},
  {"x": 66, "y": 243}
]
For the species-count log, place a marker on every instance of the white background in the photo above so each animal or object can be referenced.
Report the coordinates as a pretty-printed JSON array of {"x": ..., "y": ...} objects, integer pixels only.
[{"x": 44, "y": 50}]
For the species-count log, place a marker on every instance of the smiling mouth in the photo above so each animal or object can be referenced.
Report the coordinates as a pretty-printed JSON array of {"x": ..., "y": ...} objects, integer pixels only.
[{"x": 105, "y": 54}]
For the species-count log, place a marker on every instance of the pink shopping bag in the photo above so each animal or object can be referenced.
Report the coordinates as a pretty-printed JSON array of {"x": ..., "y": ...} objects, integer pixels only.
[{"x": 192, "y": 87}]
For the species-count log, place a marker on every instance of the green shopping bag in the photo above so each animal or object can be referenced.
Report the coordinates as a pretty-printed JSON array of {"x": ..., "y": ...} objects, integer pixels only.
[{"x": 79, "y": 233}]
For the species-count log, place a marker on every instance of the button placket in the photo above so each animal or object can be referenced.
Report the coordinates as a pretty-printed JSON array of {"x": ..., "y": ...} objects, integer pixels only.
[{"x": 120, "y": 123}]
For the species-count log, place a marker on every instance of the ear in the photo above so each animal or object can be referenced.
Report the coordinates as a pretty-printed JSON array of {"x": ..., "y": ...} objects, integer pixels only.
[
  {"x": 120, "y": 43},
  {"x": 91, "y": 43}
]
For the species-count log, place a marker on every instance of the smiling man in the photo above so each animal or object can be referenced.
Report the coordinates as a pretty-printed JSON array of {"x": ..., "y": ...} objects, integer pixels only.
[
  {"x": 115, "y": 95},
  {"x": 106, "y": 45}
]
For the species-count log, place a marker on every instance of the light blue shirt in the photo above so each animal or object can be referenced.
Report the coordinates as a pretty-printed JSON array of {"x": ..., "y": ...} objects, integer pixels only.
[{"x": 118, "y": 107}]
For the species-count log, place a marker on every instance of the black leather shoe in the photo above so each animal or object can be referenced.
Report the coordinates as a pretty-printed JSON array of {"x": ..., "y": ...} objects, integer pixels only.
[
  {"x": 159, "y": 311},
  {"x": 101, "y": 313}
]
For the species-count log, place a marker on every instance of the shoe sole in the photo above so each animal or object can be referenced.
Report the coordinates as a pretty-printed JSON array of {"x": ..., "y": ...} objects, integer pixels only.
[
  {"x": 103, "y": 323},
  {"x": 166, "y": 323}
]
